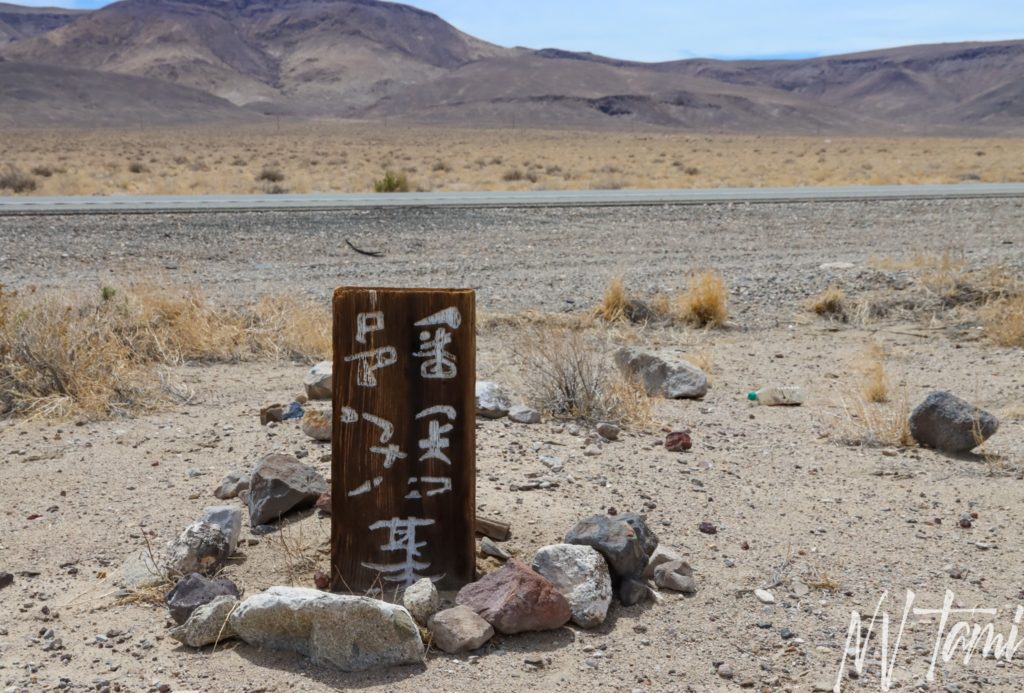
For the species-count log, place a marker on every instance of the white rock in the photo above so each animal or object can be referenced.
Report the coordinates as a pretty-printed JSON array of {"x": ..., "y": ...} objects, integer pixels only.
[
  {"x": 581, "y": 574},
  {"x": 764, "y": 596},
  {"x": 317, "y": 425},
  {"x": 228, "y": 518},
  {"x": 319, "y": 381},
  {"x": 660, "y": 555},
  {"x": 523, "y": 414},
  {"x": 347, "y": 632},
  {"x": 459, "y": 629},
  {"x": 422, "y": 600},
  {"x": 140, "y": 571},
  {"x": 491, "y": 400},
  {"x": 592, "y": 451},
  {"x": 200, "y": 548}
]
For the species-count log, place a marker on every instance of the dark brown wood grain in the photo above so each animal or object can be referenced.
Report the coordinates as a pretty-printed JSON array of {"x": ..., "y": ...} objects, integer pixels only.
[{"x": 417, "y": 388}]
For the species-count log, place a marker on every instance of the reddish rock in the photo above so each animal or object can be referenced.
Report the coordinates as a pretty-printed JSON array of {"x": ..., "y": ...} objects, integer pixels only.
[
  {"x": 678, "y": 441},
  {"x": 323, "y": 503},
  {"x": 515, "y": 599}
]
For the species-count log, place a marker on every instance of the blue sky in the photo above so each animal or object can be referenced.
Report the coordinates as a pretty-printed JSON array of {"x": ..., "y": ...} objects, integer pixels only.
[{"x": 671, "y": 29}]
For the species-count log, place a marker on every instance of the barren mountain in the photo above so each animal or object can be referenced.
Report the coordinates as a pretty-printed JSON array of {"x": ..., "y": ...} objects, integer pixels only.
[
  {"x": 17, "y": 22},
  {"x": 371, "y": 59},
  {"x": 45, "y": 95}
]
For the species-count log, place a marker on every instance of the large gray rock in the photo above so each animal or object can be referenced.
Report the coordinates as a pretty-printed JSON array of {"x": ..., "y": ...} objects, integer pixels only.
[
  {"x": 523, "y": 414},
  {"x": 192, "y": 591},
  {"x": 319, "y": 381},
  {"x": 581, "y": 574},
  {"x": 200, "y": 548},
  {"x": 626, "y": 543},
  {"x": 459, "y": 629},
  {"x": 421, "y": 600},
  {"x": 660, "y": 555},
  {"x": 945, "y": 422},
  {"x": 347, "y": 632},
  {"x": 140, "y": 571},
  {"x": 208, "y": 624},
  {"x": 491, "y": 400},
  {"x": 675, "y": 575},
  {"x": 233, "y": 484},
  {"x": 669, "y": 379},
  {"x": 279, "y": 484}
]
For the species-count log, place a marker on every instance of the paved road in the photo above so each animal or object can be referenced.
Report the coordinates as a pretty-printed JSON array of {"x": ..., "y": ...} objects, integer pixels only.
[{"x": 546, "y": 198}]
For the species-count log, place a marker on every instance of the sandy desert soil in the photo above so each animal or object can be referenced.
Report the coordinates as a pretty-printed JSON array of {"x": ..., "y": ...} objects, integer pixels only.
[
  {"x": 829, "y": 524},
  {"x": 328, "y": 156}
]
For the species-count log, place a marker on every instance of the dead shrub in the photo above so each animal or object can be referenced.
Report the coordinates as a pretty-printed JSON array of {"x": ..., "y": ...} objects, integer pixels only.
[
  {"x": 705, "y": 301},
  {"x": 613, "y": 305},
  {"x": 875, "y": 383},
  {"x": 1003, "y": 320},
  {"x": 830, "y": 303},
  {"x": 270, "y": 174},
  {"x": 571, "y": 377},
  {"x": 876, "y": 425},
  {"x": 16, "y": 180},
  {"x": 94, "y": 354}
]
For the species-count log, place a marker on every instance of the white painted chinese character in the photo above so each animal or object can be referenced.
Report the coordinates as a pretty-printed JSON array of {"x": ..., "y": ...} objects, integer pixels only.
[
  {"x": 368, "y": 322},
  {"x": 391, "y": 452},
  {"x": 443, "y": 483},
  {"x": 439, "y": 363},
  {"x": 370, "y": 361},
  {"x": 434, "y": 442},
  {"x": 402, "y": 538}
]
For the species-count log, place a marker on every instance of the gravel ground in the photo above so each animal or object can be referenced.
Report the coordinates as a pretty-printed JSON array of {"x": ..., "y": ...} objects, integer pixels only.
[{"x": 829, "y": 525}]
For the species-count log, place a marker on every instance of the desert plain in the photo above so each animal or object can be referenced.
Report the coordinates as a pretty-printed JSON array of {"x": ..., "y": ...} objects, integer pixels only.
[{"x": 829, "y": 506}]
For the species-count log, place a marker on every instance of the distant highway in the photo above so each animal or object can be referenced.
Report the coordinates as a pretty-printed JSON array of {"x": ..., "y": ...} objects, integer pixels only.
[{"x": 129, "y": 204}]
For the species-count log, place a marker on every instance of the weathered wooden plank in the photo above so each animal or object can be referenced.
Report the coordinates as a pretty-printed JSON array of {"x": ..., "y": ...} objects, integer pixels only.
[
  {"x": 403, "y": 442},
  {"x": 492, "y": 527}
]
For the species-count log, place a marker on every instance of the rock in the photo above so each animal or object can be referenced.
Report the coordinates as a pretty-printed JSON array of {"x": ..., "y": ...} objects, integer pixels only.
[
  {"x": 421, "y": 600},
  {"x": 489, "y": 548},
  {"x": 633, "y": 590},
  {"x": 272, "y": 414},
  {"x": 523, "y": 414},
  {"x": 344, "y": 631},
  {"x": 764, "y": 596},
  {"x": 945, "y": 422},
  {"x": 637, "y": 311},
  {"x": 515, "y": 599},
  {"x": 208, "y": 624},
  {"x": 192, "y": 591},
  {"x": 491, "y": 400},
  {"x": 279, "y": 484},
  {"x": 324, "y": 503},
  {"x": 228, "y": 518},
  {"x": 678, "y": 441},
  {"x": 200, "y": 548},
  {"x": 677, "y": 576},
  {"x": 581, "y": 574},
  {"x": 232, "y": 484},
  {"x": 459, "y": 629},
  {"x": 317, "y": 425},
  {"x": 553, "y": 463},
  {"x": 725, "y": 671},
  {"x": 6, "y": 579},
  {"x": 138, "y": 572},
  {"x": 669, "y": 379},
  {"x": 707, "y": 528},
  {"x": 624, "y": 540},
  {"x": 591, "y": 451},
  {"x": 608, "y": 431},
  {"x": 319, "y": 382},
  {"x": 659, "y": 556}
]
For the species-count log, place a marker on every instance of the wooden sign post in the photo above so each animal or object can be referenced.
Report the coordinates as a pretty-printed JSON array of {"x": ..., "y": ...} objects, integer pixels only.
[{"x": 403, "y": 442}]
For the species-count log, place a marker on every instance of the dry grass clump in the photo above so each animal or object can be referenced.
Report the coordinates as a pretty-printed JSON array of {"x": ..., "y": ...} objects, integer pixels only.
[
  {"x": 830, "y": 303},
  {"x": 875, "y": 385},
  {"x": 613, "y": 304},
  {"x": 571, "y": 377},
  {"x": 1004, "y": 321},
  {"x": 876, "y": 425},
  {"x": 270, "y": 174},
  {"x": 94, "y": 354},
  {"x": 705, "y": 301}
]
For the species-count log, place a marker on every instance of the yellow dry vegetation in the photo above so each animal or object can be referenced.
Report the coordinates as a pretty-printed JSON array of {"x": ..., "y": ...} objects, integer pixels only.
[{"x": 345, "y": 156}]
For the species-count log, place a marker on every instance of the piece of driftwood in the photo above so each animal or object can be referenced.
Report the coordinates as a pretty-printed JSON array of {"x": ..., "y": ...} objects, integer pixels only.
[{"x": 496, "y": 529}]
